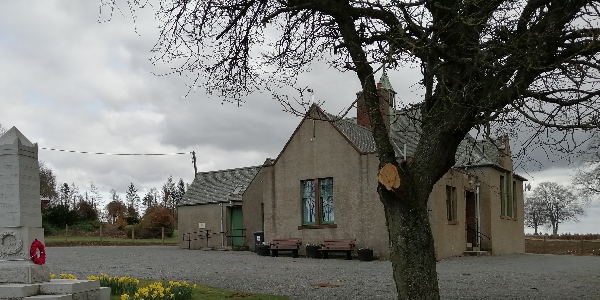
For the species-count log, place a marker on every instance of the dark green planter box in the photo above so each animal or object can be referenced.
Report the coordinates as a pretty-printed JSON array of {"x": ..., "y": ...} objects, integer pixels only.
[
  {"x": 365, "y": 254},
  {"x": 263, "y": 250},
  {"x": 313, "y": 251}
]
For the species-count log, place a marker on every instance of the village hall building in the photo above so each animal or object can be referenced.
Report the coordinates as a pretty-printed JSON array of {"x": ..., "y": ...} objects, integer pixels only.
[{"x": 323, "y": 185}]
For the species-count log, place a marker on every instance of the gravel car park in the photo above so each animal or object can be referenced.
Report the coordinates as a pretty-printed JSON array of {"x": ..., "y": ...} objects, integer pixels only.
[{"x": 524, "y": 276}]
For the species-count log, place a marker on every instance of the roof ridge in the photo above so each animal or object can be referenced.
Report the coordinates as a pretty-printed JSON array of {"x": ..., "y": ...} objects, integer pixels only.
[{"x": 232, "y": 169}]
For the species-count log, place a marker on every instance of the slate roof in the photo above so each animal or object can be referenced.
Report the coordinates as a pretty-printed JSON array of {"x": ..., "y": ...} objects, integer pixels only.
[
  {"x": 219, "y": 186},
  {"x": 360, "y": 136},
  {"x": 406, "y": 130}
]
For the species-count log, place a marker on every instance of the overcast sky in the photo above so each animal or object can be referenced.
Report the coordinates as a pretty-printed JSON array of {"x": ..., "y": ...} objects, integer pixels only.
[{"x": 70, "y": 82}]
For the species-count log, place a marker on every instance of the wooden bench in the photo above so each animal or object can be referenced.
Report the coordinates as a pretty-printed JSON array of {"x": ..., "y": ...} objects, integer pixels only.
[
  {"x": 346, "y": 245},
  {"x": 292, "y": 244}
]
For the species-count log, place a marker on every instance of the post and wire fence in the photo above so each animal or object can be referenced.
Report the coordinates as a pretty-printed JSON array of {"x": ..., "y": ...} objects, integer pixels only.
[{"x": 111, "y": 233}]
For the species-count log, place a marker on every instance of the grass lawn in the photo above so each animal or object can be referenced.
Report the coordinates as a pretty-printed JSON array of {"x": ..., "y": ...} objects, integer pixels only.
[{"x": 209, "y": 293}]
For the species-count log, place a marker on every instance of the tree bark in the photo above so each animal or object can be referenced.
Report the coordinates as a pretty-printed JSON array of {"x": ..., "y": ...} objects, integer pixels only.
[{"x": 412, "y": 246}]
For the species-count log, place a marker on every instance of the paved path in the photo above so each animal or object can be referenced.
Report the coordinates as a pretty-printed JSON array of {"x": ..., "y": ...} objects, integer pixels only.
[{"x": 528, "y": 276}]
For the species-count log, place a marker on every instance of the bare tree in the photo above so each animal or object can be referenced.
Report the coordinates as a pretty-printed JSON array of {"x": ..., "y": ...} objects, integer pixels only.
[
  {"x": 557, "y": 204},
  {"x": 587, "y": 177},
  {"x": 95, "y": 196},
  {"x": 47, "y": 182},
  {"x": 486, "y": 64},
  {"x": 151, "y": 198},
  {"x": 535, "y": 213},
  {"x": 2, "y": 129}
]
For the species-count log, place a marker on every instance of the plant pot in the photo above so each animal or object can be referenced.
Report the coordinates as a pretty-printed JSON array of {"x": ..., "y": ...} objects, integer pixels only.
[
  {"x": 263, "y": 250},
  {"x": 365, "y": 254},
  {"x": 313, "y": 251}
]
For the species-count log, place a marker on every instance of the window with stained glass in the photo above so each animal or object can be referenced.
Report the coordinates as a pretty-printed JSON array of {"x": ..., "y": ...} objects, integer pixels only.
[
  {"x": 326, "y": 200},
  {"x": 314, "y": 213},
  {"x": 308, "y": 202}
]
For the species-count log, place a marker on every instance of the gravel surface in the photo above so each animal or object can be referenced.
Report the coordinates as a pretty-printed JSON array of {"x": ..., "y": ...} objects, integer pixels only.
[{"x": 527, "y": 276}]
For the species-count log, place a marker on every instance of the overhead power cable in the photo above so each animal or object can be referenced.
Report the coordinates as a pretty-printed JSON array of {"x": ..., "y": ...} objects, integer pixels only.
[{"x": 122, "y": 154}]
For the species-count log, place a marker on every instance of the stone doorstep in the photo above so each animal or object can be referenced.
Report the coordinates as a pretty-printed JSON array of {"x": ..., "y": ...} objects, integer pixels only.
[
  {"x": 476, "y": 253},
  {"x": 68, "y": 286}
]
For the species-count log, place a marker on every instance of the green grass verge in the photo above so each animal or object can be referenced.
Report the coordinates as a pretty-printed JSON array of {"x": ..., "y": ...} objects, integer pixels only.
[{"x": 210, "y": 293}]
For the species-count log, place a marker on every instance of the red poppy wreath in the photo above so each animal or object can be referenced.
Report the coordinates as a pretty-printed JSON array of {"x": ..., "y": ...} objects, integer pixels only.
[{"x": 37, "y": 248}]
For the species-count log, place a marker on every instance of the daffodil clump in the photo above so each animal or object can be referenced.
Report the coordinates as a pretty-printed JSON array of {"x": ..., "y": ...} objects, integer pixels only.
[
  {"x": 174, "y": 290},
  {"x": 118, "y": 286},
  {"x": 63, "y": 276}
]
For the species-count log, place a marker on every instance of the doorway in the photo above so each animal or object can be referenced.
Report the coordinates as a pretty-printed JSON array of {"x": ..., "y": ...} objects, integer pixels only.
[
  {"x": 471, "y": 218},
  {"x": 236, "y": 226}
]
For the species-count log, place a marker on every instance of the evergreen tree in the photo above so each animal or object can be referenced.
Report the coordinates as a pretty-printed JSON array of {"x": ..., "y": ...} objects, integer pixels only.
[
  {"x": 132, "y": 199},
  {"x": 64, "y": 195},
  {"x": 169, "y": 194},
  {"x": 179, "y": 192}
]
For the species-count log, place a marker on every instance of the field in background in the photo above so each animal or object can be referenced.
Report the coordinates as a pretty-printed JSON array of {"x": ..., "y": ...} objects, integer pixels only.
[
  {"x": 578, "y": 244},
  {"x": 96, "y": 240},
  {"x": 588, "y": 244}
]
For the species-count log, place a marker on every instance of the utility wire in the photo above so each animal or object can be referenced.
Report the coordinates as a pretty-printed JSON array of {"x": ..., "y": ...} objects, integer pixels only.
[{"x": 121, "y": 154}]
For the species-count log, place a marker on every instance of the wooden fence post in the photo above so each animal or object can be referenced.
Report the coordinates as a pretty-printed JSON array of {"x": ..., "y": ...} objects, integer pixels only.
[
  {"x": 100, "y": 233},
  {"x": 545, "y": 252},
  {"x": 66, "y": 231},
  {"x": 132, "y": 234},
  {"x": 581, "y": 247},
  {"x": 162, "y": 234}
]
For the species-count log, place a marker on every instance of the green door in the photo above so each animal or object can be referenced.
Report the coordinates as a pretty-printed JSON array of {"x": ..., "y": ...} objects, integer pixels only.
[{"x": 236, "y": 226}]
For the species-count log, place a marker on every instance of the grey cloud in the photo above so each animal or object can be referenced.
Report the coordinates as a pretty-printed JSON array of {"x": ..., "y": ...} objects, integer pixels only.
[{"x": 70, "y": 82}]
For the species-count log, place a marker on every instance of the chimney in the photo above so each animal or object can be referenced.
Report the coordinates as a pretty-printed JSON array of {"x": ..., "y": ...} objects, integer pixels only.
[
  {"x": 504, "y": 159},
  {"x": 387, "y": 105}
]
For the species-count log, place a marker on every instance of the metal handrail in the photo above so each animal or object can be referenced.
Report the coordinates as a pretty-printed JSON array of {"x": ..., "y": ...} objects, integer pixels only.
[
  {"x": 478, "y": 233},
  {"x": 231, "y": 229}
]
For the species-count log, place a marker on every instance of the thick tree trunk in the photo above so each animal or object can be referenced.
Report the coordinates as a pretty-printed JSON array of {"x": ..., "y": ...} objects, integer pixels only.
[
  {"x": 411, "y": 242},
  {"x": 411, "y": 239}
]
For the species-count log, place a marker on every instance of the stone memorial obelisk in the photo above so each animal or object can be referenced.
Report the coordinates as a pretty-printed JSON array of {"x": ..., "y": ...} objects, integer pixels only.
[{"x": 20, "y": 210}]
